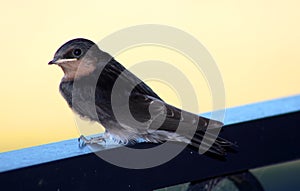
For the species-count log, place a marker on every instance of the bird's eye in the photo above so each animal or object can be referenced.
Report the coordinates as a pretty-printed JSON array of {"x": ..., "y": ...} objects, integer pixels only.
[{"x": 77, "y": 52}]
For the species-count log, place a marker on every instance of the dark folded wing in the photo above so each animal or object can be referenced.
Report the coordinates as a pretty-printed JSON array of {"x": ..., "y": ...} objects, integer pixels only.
[
  {"x": 162, "y": 116},
  {"x": 157, "y": 115}
]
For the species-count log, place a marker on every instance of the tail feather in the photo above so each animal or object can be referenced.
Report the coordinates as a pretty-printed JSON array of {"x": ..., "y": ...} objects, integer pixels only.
[
  {"x": 212, "y": 149},
  {"x": 211, "y": 143},
  {"x": 219, "y": 140}
]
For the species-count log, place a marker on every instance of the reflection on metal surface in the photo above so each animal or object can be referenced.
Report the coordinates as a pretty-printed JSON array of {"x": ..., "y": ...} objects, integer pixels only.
[{"x": 239, "y": 182}]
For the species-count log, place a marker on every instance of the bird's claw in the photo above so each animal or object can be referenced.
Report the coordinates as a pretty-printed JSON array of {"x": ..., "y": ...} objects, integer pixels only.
[{"x": 83, "y": 141}]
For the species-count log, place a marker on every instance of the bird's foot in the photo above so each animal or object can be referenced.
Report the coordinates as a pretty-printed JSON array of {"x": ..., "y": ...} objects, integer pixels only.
[{"x": 83, "y": 141}]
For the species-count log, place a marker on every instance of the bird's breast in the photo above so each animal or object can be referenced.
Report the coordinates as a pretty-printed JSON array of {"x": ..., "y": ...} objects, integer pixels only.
[{"x": 86, "y": 100}]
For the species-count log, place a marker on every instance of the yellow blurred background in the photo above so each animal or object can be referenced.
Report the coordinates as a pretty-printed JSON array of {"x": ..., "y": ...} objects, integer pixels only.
[{"x": 254, "y": 43}]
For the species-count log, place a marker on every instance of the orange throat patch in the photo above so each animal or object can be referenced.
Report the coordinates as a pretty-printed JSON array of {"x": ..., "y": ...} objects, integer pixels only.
[{"x": 76, "y": 69}]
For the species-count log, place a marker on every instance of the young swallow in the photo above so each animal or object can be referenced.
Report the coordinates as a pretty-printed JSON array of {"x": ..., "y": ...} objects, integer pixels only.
[{"x": 90, "y": 76}]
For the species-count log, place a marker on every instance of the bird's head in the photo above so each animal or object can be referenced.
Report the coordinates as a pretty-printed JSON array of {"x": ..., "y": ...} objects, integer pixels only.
[{"x": 78, "y": 57}]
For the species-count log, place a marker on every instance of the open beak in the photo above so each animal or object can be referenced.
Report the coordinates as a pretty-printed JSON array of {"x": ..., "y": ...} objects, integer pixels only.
[{"x": 61, "y": 60}]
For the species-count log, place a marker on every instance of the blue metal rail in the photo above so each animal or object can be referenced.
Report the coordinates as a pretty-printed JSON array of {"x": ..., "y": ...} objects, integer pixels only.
[{"x": 267, "y": 133}]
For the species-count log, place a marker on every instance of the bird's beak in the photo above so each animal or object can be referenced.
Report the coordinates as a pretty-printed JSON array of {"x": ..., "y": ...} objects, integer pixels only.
[
  {"x": 61, "y": 60},
  {"x": 52, "y": 62}
]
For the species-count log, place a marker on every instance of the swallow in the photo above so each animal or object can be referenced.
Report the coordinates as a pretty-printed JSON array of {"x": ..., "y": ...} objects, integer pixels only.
[{"x": 90, "y": 75}]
